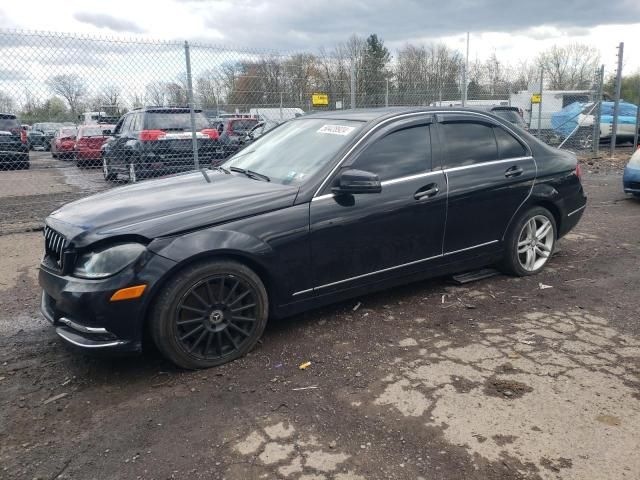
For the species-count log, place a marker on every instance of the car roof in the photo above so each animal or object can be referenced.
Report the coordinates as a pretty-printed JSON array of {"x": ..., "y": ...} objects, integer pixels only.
[
  {"x": 7, "y": 115},
  {"x": 374, "y": 114}
]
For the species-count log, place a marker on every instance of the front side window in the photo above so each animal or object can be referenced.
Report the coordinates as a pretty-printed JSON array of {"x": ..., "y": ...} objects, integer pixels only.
[
  {"x": 468, "y": 143},
  {"x": 296, "y": 150},
  {"x": 399, "y": 154}
]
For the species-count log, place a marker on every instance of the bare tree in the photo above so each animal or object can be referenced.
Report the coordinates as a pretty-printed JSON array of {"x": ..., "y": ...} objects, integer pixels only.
[
  {"x": 111, "y": 96},
  {"x": 7, "y": 104},
  {"x": 71, "y": 87},
  {"x": 156, "y": 94},
  {"x": 569, "y": 68}
]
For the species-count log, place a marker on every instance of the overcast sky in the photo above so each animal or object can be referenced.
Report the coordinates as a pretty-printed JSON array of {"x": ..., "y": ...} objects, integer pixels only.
[{"x": 513, "y": 29}]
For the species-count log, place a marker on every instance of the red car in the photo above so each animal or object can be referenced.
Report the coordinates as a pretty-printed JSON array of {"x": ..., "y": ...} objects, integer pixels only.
[
  {"x": 89, "y": 143},
  {"x": 63, "y": 142}
]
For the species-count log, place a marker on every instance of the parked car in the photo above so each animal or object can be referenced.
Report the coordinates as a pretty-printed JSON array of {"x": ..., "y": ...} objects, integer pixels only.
[
  {"x": 325, "y": 207},
  {"x": 14, "y": 153},
  {"x": 63, "y": 142},
  {"x": 233, "y": 132},
  {"x": 88, "y": 146},
  {"x": 158, "y": 141},
  {"x": 510, "y": 114},
  {"x": 41, "y": 134},
  {"x": 631, "y": 175}
]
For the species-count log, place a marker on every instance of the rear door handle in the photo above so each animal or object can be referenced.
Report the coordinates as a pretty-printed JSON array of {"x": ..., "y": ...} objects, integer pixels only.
[
  {"x": 427, "y": 191},
  {"x": 513, "y": 172}
]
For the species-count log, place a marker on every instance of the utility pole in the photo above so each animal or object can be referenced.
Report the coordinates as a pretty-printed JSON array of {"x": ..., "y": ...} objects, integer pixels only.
[
  {"x": 598, "y": 113},
  {"x": 616, "y": 99},
  {"x": 386, "y": 95},
  {"x": 465, "y": 75},
  {"x": 192, "y": 115},
  {"x": 540, "y": 103}
]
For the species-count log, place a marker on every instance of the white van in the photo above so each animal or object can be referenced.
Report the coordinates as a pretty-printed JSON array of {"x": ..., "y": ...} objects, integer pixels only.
[{"x": 276, "y": 115}]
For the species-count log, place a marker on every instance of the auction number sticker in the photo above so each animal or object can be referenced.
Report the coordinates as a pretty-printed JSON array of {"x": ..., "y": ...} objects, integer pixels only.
[{"x": 336, "y": 129}]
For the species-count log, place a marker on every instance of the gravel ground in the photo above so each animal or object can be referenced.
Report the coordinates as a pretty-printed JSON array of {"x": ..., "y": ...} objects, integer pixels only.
[{"x": 503, "y": 378}]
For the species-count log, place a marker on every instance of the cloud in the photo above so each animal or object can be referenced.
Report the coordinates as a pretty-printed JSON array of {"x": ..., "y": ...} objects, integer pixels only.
[
  {"x": 102, "y": 20},
  {"x": 291, "y": 24}
]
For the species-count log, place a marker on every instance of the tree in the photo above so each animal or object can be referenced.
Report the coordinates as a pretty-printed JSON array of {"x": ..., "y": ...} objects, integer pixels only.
[
  {"x": 569, "y": 68},
  {"x": 630, "y": 88},
  {"x": 110, "y": 96},
  {"x": 71, "y": 87},
  {"x": 374, "y": 70},
  {"x": 7, "y": 104},
  {"x": 155, "y": 94}
]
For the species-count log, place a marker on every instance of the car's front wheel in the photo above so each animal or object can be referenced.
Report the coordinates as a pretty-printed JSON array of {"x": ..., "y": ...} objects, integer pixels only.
[
  {"x": 209, "y": 314},
  {"x": 530, "y": 242}
]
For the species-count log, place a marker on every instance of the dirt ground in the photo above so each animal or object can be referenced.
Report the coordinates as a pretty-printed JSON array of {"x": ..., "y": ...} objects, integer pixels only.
[{"x": 503, "y": 378}]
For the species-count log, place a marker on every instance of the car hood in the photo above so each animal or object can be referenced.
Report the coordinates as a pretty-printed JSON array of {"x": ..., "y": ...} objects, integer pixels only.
[{"x": 168, "y": 206}]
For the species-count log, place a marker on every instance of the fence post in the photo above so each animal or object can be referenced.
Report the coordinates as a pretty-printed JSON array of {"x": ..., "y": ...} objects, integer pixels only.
[
  {"x": 616, "y": 100},
  {"x": 386, "y": 95},
  {"x": 194, "y": 136},
  {"x": 635, "y": 133},
  {"x": 598, "y": 113},
  {"x": 353, "y": 84},
  {"x": 540, "y": 103}
]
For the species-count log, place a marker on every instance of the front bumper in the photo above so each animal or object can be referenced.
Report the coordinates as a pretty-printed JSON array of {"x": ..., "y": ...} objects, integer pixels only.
[
  {"x": 631, "y": 180},
  {"x": 83, "y": 314}
]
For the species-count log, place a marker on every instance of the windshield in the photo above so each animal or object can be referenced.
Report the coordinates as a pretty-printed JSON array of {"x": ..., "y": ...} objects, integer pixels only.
[
  {"x": 243, "y": 125},
  {"x": 46, "y": 126},
  {"x": 91, "y": 132},
  {"x": 174, "y": 121},
  {"x": 296, "y": 150},
  {"x": 67, "y": 132}
]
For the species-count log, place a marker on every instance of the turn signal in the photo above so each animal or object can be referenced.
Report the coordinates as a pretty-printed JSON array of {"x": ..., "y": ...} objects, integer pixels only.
[{"x": 128, "y": 293}]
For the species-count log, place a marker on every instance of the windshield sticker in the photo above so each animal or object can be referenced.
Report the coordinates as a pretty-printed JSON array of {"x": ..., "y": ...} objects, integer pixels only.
[{"x": 336, "y": 129}]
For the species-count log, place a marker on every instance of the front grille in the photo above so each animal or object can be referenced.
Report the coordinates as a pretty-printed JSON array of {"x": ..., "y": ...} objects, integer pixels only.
[{"x": 54, "y": 245}]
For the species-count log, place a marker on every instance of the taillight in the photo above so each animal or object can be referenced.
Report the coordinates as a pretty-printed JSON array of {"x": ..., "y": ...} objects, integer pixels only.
[
  {"x": 23, "y": 137},
  {"x": 578, "y": 171},
  {"x": 151, "y": 135},
  {"x": 212, "y": 133}
]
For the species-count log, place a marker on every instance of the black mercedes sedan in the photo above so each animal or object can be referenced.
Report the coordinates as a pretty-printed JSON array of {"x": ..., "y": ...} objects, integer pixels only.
[{"x": 325, "y": 207}]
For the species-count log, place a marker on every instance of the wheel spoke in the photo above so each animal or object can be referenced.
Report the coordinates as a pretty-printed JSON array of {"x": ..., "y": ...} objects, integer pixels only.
[
  {"x": 189, "y": 321},
  {"x": 243, "y": 307},
  {"x": 237, "y": 328},
  {"x": 238, "y": 298},
  {"x": 191, "y": 309},
  {"x": 243, "y": 319},
  {"x": 199, "y": 298},
  {"x": 188, "y": 334},
  {"x": 531, "y": 258},
  {"x": 197, "y": 342},
  {"x": 542, "y": 253},
  {"x": 231, "y": 292},
  {"x": 543, "y": 230},
  {"x": 208, "y": 344},
  {"x": 531, "y": 228},
  {"x": 221, "y": 294},
  {"x": 212, "y": 298},
  {"x": 543, "y": 246},
  {"x": 230, "y": 337},
  {"x": 218, "y": 343}
]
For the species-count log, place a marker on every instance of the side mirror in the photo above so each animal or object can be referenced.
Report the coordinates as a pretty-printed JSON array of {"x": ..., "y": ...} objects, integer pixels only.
[
  {"x": 357, "y": 181},
  {"x": 107, "y": 132}
]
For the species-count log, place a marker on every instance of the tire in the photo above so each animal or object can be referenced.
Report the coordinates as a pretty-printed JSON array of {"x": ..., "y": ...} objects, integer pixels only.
[
  {"x": 209, "y": 314},
  {"x": 520, "y": 246},
  {"x": 133, "y": 173},
  {"x": 109, "y": 176}
]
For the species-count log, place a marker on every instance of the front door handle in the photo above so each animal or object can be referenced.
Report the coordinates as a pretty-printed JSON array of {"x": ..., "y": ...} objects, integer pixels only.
[
  {"x": 427, "y": 191},
  {"x": 513, "y": 172}
]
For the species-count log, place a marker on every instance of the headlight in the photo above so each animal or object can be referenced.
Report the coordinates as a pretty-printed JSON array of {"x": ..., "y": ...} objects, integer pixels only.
[{"x": 107, "y": 261}]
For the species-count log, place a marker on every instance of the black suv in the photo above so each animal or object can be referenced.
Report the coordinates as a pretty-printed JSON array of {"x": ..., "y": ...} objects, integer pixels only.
[
  {"x": 157, "y": 141},
  {"x": 14, "y": 153}
]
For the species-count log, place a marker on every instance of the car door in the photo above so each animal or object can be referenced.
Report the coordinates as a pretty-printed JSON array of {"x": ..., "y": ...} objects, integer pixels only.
[
  {"x": 117, "y": 150},
  {"x": 489, "y": 171},
  {"x": 363, "y": 238}
]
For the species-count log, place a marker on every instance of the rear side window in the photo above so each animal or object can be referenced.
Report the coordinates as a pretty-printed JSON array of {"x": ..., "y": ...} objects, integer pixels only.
[
  {"x": 8, "y": 122},
  {"x": 508, "y": 145},
  {"x": 399, "y": 154},
  {"x": 468, "y": 143},
  {"x": 178, "y": 121}
]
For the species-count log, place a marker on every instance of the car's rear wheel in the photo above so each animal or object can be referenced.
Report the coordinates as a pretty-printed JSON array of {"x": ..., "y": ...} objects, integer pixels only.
[
  {"x": 530, "y": 242},
  {"x": 209, "y": 314},
  {"x": 133, "y": 173},
  {"x": 109, "y": 176}
]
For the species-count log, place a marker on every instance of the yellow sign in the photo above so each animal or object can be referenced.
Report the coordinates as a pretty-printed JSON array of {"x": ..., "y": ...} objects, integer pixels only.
[
  {"x": 320, "y": 99},
  {"x": 536, "y": 98}
]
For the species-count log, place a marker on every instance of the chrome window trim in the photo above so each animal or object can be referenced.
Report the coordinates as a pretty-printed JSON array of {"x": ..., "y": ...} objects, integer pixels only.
[
  {"x": 387, "y": 182},
  {"x": 577, "y": 210},
  {"x": 412, "y": 114},
  {"x": 482, "y": 164},
  {"x": 395, "y": 267}
]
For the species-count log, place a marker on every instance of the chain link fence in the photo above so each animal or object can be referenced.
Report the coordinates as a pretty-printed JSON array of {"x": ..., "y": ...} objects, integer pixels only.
[{"x": 82, "y": 114}]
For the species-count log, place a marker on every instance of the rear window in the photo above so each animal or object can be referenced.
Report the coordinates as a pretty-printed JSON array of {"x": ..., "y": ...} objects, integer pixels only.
[
  {"x": 9, "y": 122},
  {"x": 243, "y": 125},
  {"x": 68, "y": 132},
  {"x": 91, "y": 132},
  {"x": 179, "y": 121}
]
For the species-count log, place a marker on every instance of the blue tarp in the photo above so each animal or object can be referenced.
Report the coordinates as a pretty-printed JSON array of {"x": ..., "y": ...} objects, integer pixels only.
[{"x": 566, "y": 120}]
